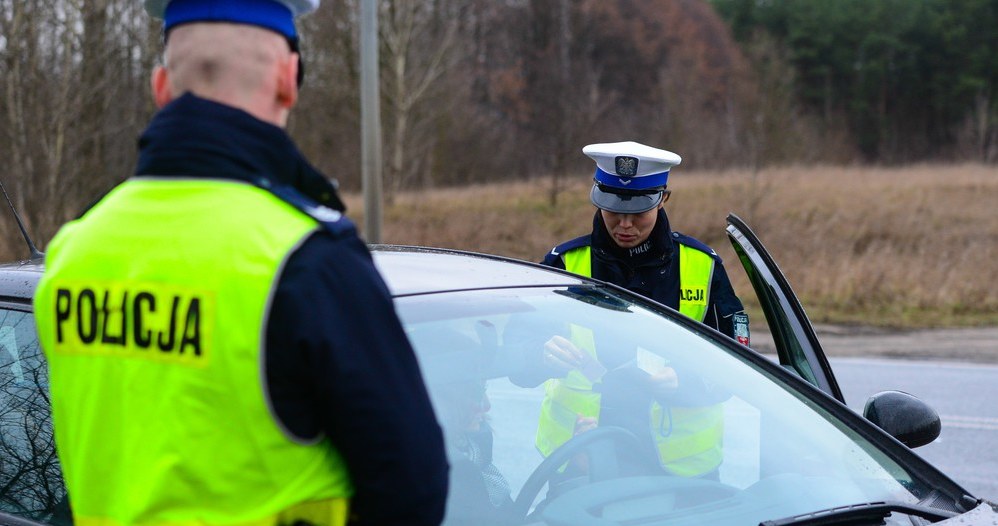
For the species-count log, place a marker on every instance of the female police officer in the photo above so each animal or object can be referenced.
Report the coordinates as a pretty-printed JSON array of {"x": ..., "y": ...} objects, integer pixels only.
[{"x": 633, "y": 246}]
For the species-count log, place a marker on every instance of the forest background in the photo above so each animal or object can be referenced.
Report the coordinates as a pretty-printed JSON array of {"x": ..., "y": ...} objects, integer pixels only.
[{"x": 858, "y": 137}]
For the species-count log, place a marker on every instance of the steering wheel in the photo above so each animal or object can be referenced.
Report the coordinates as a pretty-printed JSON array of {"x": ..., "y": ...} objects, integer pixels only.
[{"x": 599, "y": 443}]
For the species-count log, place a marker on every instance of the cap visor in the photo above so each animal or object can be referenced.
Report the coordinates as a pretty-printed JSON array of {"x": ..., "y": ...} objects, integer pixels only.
[{"x": 624, "y": 204}]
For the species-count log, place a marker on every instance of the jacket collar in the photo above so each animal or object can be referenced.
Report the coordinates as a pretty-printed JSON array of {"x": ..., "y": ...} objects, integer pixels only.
[
  {"x": 195, "y": 137},
  {"x": 657, "y": 248}
]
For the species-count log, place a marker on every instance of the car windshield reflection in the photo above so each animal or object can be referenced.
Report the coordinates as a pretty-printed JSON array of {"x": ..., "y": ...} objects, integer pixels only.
[
  {"x": 561, "y": 405},
  {"x": 31, "y": 483}
]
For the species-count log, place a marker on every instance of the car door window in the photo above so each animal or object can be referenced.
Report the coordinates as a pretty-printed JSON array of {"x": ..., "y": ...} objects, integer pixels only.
[
  {"x": 793, "y": 336},
  {"x": 31, "y": 484}
]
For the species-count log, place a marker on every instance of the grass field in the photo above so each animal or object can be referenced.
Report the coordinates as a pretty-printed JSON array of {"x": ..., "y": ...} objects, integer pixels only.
[{"x": 900, "y": 247}]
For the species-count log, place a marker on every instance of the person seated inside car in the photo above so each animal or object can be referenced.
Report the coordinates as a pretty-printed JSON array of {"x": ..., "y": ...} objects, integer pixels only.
[
  {"x": 455, "y": 367},
  {"x": 479, "y": 492}
]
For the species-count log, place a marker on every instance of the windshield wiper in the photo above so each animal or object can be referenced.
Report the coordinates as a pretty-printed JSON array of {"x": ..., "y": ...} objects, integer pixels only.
[{"x": 874, "y": 512}]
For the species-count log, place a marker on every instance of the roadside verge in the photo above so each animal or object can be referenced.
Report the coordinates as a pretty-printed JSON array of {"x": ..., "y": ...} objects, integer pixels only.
[{"x": 975, "y": 345}]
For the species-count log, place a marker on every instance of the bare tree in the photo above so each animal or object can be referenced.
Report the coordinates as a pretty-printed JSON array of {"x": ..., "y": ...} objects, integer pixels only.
[
  {"x": 74, "y": 96},
  {"x": 326, "y": 122},
  {"x": 419, "y": 47}
]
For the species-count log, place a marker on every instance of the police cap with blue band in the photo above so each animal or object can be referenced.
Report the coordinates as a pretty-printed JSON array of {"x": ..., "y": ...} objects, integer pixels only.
[
  {"x": 275, "y": 15},
  {"x": 630, "y": 177}
]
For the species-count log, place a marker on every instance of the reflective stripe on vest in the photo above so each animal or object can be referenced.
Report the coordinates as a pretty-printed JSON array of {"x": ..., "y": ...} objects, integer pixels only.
[
  {"x": 150, "y": 313},
  {"x": 688, "y": 439}
]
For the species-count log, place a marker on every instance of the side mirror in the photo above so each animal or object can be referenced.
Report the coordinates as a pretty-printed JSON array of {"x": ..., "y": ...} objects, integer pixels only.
[{"x": 904, "y": 417}]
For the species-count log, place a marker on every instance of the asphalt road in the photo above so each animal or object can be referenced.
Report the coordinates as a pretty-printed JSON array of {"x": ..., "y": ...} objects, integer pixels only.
[
  {"x": 954, "y": 370},
  {"x": 964, "y": 395},
  {"x": 971, "y": 345}
]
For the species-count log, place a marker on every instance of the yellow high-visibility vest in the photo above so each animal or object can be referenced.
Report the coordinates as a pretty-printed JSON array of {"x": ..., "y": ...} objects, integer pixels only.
[
  {"x": 151, "y": 313},
  {"x": 688, "y": 439},
  {"x": 696, "y": 270}
]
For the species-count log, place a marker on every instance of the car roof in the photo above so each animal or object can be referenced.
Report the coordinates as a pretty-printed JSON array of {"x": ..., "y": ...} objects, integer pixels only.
[
  {"x": 18, "y": 280},
  {"x": 412, "y": 270}
]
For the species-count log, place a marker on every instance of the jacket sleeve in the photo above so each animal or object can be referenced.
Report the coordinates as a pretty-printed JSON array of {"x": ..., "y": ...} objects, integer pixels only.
[
  {"x": 553, "y": 259},
  {"x": 339, "y": 364},
  {"x": 723, "y": 302}
]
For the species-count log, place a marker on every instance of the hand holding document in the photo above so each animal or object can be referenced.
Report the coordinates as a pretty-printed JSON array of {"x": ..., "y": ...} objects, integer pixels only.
[{"x": 560, "y": 353}]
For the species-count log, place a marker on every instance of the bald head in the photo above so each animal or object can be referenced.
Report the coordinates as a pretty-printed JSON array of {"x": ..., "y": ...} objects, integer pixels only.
[{"x": 244, "y": 66}]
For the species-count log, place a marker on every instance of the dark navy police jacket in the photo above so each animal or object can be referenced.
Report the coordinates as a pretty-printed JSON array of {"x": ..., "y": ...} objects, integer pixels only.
[{"x": 338, "y": 362}]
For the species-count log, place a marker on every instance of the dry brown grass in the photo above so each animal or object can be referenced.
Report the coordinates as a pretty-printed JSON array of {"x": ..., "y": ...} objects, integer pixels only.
[{"x": 914, "y": 246}]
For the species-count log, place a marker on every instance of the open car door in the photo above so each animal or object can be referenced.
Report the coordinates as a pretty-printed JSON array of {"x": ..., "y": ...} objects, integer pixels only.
[{"x": 794, "y": 337}]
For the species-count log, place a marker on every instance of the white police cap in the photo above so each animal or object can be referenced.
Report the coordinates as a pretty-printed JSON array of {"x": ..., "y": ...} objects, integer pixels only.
[
  {"x": 276, "y": 15},
  {"x": 630, "y": 177}
]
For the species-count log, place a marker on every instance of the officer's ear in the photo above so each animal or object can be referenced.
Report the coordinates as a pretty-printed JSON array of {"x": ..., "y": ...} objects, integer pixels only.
[
  {"x": 287, "y": 82},
  {"x": 162, "y": 94},
  {"x": 665, "y": 197}
]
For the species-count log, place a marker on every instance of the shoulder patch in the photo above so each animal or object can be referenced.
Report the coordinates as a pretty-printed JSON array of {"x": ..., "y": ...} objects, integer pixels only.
[
  {"x": 556, "y": 258},
  {"x": 693, "y": 242},
  {"x": 332, "y": 221}
]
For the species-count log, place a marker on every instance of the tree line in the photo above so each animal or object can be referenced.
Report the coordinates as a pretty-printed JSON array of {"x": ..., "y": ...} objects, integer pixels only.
[
  {"x": 910, "y": 80},
  {"x": 492, "y": 90}
]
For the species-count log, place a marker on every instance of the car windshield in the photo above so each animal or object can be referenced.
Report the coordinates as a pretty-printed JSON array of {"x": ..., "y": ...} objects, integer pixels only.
[{"x": 578, "y": 405}]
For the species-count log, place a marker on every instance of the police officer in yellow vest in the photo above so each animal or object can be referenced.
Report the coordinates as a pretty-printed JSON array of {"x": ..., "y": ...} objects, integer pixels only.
[
  {"x": 633, "y": 246},
  {"x": 222, "y": 350}
]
